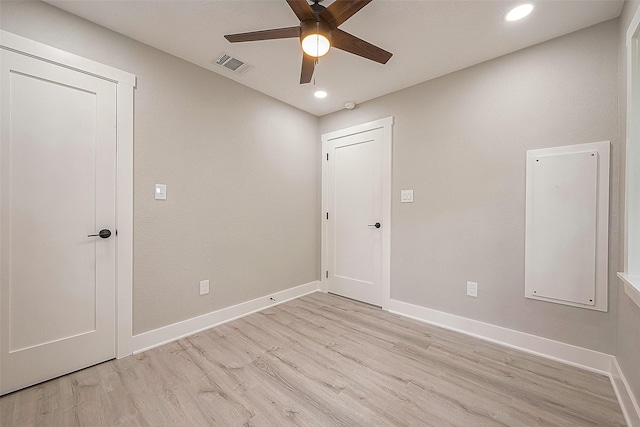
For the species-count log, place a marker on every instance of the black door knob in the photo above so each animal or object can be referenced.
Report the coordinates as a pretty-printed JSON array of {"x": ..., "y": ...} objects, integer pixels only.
[
  {"x": 104, "y": 233},
  {"x": 376, "y": 225}
]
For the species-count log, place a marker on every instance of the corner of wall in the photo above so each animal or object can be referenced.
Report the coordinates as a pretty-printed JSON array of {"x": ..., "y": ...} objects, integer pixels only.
[{"x": 173, "y": 332}]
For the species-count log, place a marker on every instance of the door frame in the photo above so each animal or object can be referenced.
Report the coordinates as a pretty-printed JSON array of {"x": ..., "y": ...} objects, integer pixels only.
[
  {"x": 125, "y": 85},
  {"x": 386, "y": 124}
]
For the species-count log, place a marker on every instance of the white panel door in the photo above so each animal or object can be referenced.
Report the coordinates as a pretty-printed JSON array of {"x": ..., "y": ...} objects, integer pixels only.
[
  {"x": 57, "y": 187},
  {"x": 354, "y": 240}
]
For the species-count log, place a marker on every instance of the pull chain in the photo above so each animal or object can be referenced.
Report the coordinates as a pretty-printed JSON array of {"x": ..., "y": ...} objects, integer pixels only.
[{"x": 317, "y": 40}]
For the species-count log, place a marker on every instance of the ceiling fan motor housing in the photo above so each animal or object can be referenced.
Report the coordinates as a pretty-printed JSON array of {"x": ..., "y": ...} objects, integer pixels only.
[
  {"x": 317, "y": 8},
  {"x": 315, "y": 27}
]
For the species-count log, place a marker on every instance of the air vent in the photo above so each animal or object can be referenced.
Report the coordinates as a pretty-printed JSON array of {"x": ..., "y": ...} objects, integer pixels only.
[{"x": 234, "y": 64}]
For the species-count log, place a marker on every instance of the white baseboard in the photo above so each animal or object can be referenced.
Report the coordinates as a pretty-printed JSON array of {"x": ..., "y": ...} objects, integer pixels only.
[
  {"x": 628, "y": 403},
  {"x": 590, "y": 360},
  {"x": 556, "y": 350},
  {"x": 167, "y": 334}
]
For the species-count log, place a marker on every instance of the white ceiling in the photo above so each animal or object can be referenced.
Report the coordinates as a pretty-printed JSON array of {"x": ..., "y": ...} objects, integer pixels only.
[{"x": 428, "y": 39}]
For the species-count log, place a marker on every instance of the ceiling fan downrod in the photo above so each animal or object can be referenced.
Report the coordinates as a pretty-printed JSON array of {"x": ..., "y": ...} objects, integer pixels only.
[{"x": 317, "y": 8}]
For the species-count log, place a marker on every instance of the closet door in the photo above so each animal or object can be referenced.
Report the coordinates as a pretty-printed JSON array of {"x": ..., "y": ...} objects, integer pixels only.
[{"x": 57, "y": 192}]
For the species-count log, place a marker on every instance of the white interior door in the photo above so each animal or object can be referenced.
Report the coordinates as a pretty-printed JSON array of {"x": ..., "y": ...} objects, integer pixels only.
[
  {"x": 57, "y": 186},
  {"x": 354, "y": 205}
]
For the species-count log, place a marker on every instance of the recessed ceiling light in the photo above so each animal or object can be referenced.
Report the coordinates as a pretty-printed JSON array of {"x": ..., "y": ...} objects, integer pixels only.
[
  {"x": 519, "y": 12},
  {"x": 320, "y": 94}
]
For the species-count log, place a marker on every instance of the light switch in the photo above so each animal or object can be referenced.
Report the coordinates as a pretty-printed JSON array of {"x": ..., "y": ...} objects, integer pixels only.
[
  {"x": 472, "y": 289},
  {"x": 204, "y": 287},
  {"x": 406, "y": 196},
  {"x": 161, "y": 192}
]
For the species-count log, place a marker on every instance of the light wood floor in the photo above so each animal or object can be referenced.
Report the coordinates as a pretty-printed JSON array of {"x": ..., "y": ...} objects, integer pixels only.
[{"x": 321, "y": 360}]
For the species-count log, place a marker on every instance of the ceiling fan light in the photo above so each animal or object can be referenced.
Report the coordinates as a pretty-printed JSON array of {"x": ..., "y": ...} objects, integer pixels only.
[
  {"x": 315, "y": 38},
  {"x": 315, "y": 45}
]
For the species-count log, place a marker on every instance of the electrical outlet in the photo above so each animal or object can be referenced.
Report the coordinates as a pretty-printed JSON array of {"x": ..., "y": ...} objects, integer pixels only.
[
  {"x": 472, "y": 289},
  {"x": 204, "y": 287}
]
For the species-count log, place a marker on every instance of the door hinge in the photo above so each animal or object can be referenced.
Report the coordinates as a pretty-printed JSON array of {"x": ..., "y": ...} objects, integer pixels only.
[
  {"x": 327, "y": 215},
  {"x": 327, "y": 274},
  {"x": 327, "y": 156}
]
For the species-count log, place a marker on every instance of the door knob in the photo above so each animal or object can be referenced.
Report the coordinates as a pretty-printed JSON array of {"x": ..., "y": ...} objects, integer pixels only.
[
  {"x": 104, "y": 233},
  {"x": 376, "y": 225}
]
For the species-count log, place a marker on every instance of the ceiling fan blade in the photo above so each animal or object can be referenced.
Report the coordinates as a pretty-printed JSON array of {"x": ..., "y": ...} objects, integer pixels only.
[
  {"x": 308, "y": 64},
  {"x": 276, "y": 33},
  {"x": 302, "y": 9},
  {"x": 341, "y": 10},
  {"x": 350, "y": 43}
]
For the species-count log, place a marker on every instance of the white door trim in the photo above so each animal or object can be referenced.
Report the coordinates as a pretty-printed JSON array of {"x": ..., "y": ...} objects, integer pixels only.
[
  {"x": 387, "y": 125},
  {"x": 125, "y": 83}
]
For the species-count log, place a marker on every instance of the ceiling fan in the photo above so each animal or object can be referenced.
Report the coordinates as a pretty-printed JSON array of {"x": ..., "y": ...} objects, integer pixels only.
[{"x": 318, "y": 32}]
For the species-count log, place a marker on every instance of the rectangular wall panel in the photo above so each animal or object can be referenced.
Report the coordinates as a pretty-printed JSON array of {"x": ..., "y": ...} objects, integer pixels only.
[{"x": 566, "y": 206}]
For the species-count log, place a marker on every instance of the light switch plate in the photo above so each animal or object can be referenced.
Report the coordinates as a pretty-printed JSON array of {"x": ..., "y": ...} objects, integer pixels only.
[
  {"x": 161, "y": 192},
  {"x": 204, "y": 287},
  {"x": 406, "y": 196},
  {"x": 472, "y": 289}
]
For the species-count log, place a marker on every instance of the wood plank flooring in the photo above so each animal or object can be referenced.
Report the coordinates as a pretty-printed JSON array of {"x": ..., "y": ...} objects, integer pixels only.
[{"x": 321, "y": 360}]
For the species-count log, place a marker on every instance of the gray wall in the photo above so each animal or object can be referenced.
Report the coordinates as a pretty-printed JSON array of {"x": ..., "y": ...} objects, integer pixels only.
[
  {"x": 627, "y": 349},
  {"x": 241, "y": 170},
  {"x": 459, "y": 142}
]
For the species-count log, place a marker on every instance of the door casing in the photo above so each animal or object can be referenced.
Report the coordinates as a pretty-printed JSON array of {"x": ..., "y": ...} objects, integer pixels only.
[
  {"x": 386, "y": 124},
  {"x": 125, "y": 85}
]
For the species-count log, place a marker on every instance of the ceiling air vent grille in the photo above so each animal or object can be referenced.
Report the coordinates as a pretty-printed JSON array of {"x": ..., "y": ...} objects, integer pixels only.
[{"x": 234, "y": 64}]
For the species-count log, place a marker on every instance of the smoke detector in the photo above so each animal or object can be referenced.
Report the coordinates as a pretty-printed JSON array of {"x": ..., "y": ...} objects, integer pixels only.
[
  {"x": 350, "y": 105},
  {"x": 231, "y": 63}
]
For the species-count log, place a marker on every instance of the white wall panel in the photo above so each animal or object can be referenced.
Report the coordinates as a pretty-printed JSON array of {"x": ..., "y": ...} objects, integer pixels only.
[{"x": 566, "y": 228}]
